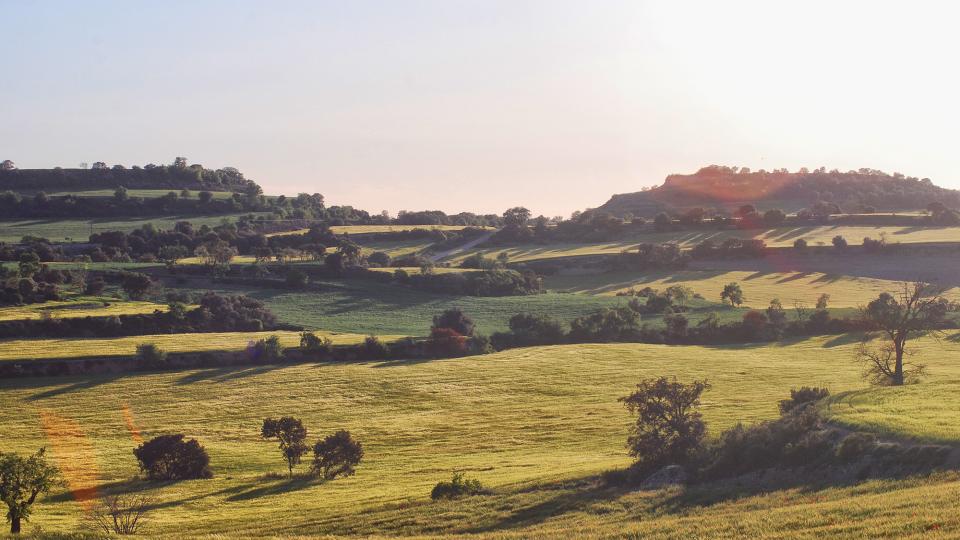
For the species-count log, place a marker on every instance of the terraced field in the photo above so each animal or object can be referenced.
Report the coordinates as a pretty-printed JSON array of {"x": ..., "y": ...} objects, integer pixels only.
[
  {"x": 758, "y": 287},
  {"x": 43, "y": 348},
  {"x": 81, "y": 307},
  {"x": 532, "y": 424}
]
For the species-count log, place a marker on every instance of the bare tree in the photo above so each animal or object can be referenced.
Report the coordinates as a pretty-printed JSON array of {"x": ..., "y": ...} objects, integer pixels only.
[
  {"x": 120, "y": 514},
  {"x": 802, "y": 310},
  {"x": 917, "y": 308}
]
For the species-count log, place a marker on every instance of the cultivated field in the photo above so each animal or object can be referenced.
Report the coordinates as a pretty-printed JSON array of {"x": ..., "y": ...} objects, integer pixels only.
[
  {"x": 529, "y": 423},
  {"x": 81, "y": 307},
  {"x": 369, "y": 229},
  {"x": 45, "y": 348},
  {"x": 758, "y": 287}
]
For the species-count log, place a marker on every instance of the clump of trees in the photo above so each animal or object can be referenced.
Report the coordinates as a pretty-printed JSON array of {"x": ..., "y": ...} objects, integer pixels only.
[
  {"x": 172, "y": 457},
  {"x": 335, "y": 455}
]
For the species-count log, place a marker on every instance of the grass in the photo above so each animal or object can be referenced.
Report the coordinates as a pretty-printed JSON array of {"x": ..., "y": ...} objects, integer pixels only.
[
  {"x": 79, "y": 307},
  {"x": 369, "y": 229},
  {"x": 529, "y": 423},
  {"x": 758, "y": 287},
  {"x": 79, "y": 230},
  {"x": 42, "y": 348},
  {"x": 367, "y": 306}
]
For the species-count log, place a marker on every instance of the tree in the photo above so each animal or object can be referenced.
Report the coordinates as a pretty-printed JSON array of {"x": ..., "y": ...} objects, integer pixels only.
[
  {"x": 732, "y": 293},
  {"x": 205, "y": 197},
  {"x": 180, "y": 163},
  {"x": 456, "y": 320},
  {"x": 662, "y": 222},
  {"x": 516, "y": 217},
  {"x": 29, "y": 264},
  {"x": 120, "y": 194},
  {"x": 336, "y": 455},
  {"x": 150, "y": 356},
  {"x": 291, "y": 435},
  {"x": 839, "y": 242},
  {"x": 679, "y": 294},
  {"x": 7, "y": 165},
  {"x": 822, "y": 301},
  {"x": 268, "y": 350},
  {"x": 379, "y": 258},
  {"x": 774, "y": 217},
  {"x": 170, "y": 457},
  {"x": 22, "y": 480},
  {"x": 136, "y": 284},
  {"x": 170, "y": 254},
  {"x": 800, "y": 244},
  {"x": 918, "y": 308},
  {"x": 669, "y": 429}
]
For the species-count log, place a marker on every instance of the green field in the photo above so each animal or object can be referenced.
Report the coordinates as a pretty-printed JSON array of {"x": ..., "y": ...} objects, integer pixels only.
[
  {"x": 529, "y": 423},
  {"x": 369, "y": 229},
  {"x": 43, "y": 348},
  {"x": 758, "y": 287},
  {"x": 79, "y": 230}
]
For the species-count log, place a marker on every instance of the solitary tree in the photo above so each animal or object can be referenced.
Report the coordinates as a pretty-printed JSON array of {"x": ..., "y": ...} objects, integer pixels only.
[
  {"x": 732, "y": 293},
  {"x": 669, "y": 429},
  {"x": 516, "y": 217},
  {"x": 917, "y": 308},
  {"x": 336, "y": 455},
  {"x": 291, "y": 434},
  {"x": 456, "y": 320},
  {"x": 22, "y": 480},
  {"x": 136, "y": 284}
]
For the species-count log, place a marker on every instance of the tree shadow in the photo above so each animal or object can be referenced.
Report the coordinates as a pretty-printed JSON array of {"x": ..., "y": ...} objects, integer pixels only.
[
  {"x": 286, "y": 485},
  {"x": 227, "y": 373},
  {"x": 76, "y": 386}
]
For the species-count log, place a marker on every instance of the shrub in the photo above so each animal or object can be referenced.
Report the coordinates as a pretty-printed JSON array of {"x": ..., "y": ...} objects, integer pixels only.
[
  {"x": 456, "y": 320},
  {"x": 374, "y": 348},
  {"x": 296, "y": 279},
  {"x": 446, "y": 342},
  {"x": 527, "y": 329},
  {"x": 458, "y": 486},
  {"x": 313, "y": 344},
  {"x": 170, "y": 457},
  {"x": 268, "y": 350},
  {"x": 135, "y": 284},
  {"x": 606, "y": 325},
  {"x": 336, "y": 455},
  {"x": 150, "y": 356},
  {"x": 379, "y": 258},
  {"x": 855, "y": 446},
  {"x": 800, "y": 244},
  {"x": 839, "y": 242},
  {"x": 802, "y": 396},
  {"x": 669, "y": 430}
]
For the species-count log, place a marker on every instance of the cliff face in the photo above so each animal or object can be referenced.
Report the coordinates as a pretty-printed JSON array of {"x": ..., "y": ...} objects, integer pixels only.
[{"x": 729, "y": 187}]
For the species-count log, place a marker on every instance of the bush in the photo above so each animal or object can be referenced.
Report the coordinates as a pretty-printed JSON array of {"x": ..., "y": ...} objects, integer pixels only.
[
  {"x": 446, "y": 343},
  {"x": 169, "y": 457},
  {"x": 267, "y": 350},
  {"x": 315, "y": 345},
  {"x": 606, "y": 325},
  {"x": 379, "y": 258},
  {"x": 458, "y": 486},
  {"x": 454, "y": 319},
  {"x": 336, "y": 455},
  {"x": 374, "y": 348},
  {"x": 669, "y": 429},
  {"x": 855, "y": 446},
  {"x": 149, "y": 356},
  {"x": 802, "y": 396},
  {"x": 800, "y": 244}
]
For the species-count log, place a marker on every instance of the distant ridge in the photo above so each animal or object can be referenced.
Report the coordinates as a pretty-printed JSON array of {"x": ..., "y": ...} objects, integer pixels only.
[{"x": 728, "y": 187}]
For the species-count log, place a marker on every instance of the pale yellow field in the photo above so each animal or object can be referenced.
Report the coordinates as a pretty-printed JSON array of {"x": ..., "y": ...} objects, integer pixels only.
[
  {"x": 73, "y": 309},
  {"x": 36, "y": 349},
  {"x": 758, "y": 287}
]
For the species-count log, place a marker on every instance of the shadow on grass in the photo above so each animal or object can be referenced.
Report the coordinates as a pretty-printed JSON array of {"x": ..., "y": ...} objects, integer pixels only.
[
  {"x": 227, "y": 373},
  {"x": 76, "y": 386}
]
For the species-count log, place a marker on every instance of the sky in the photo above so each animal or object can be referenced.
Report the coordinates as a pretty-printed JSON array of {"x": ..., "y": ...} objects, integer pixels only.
[{"x": 461, "y": 105}]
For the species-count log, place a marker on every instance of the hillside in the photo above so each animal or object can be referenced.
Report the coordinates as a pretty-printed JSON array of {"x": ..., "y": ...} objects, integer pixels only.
[
  {"x": 176, "y": 176},
  {"x": 729, "y": 187}
]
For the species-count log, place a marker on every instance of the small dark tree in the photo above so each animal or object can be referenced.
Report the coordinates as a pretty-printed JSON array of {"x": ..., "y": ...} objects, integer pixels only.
[
  {"x": 314, "y": 344},
  {"x": 732, "y": 293},
  {"x": 379, "y": 258},
  {"x": 456, "y": 320},
  {"x": 136, "y": 284},
  {"x": 800, "y": 244},
  {"x": 802, "y": 396},
  {"x": 839, "y": 242},
  {"x": 150, "y": 356},
  {"x": 668, "y": 429},
  {"x": 458, "y": 486},
  {"x": 336, "y": 455},
  {"x": 170, "y": 457},
  {"x": 918, "y": 308},
  {"x": 374, "y": 347},
  {"x": 291, "y": 435},
  {"x": 22, "y": 480}
]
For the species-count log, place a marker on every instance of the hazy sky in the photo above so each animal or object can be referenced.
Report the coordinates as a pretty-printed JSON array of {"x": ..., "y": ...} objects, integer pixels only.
[{"x": 480, "y": 105}]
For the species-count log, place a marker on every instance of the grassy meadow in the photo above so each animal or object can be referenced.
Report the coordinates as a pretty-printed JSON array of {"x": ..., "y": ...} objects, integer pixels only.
[
  {"x": 532, "y": 424},
  {"x": 80, "y": 307},
  {"x": 78, "y": 230}
]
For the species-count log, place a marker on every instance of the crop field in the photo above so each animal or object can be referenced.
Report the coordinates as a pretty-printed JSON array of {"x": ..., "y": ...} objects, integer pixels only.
[
  {"x": 369, "y": 229},
  {"x": 79, "y": 230},
  {"x": 758, "y": 287},
  {"x": 45, "y": 348},
  {"x": 779, "y": 237},
  {"x": 532, "y": 424},
  {"x": 80, "y": 307}
]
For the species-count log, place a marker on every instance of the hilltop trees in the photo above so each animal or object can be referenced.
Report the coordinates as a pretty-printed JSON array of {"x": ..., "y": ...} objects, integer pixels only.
[
  {"x": 22, "y": 480},
  {"x": 917, "y": 308}
]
